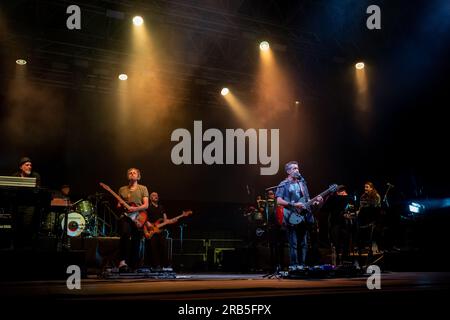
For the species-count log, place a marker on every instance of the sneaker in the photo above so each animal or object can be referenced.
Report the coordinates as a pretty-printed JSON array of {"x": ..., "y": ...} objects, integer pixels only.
[
  {"x": 124, "y": 269},
  {"x": 294, "y": 267}
]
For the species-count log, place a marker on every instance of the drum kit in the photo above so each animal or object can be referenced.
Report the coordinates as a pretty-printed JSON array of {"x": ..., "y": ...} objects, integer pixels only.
[{"x": 81, "y": 219}]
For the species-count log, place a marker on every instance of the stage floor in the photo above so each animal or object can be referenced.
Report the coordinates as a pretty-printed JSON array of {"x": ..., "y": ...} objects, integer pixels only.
[
  {"x": 222, "y": 287},
  {"x": 232, "y": 296}
]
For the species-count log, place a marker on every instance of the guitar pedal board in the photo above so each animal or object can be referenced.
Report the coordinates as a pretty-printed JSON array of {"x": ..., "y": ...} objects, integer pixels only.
[{"x": 140, "y": 273}]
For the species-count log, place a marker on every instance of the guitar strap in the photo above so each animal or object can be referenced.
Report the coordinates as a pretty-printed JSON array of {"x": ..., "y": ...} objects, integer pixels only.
[{"x": 304, "y": 190}]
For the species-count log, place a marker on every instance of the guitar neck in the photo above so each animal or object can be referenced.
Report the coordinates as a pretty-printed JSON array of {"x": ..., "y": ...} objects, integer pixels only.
[
  {"x": 162, "y": 224},
  {"x": 319, "y": 195},
  {"x": 116, "y": 196}
]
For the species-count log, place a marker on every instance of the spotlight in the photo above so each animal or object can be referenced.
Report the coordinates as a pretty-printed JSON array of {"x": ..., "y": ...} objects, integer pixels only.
[
  {"x": 264, "y": 46},
  {"x": 123, "y": 77},
  {"x": 416, "y": 207},
  {"x": 138, "y": 21},
  {"x": 21, "y": 62},
  {"x": 359, "y": 65},
  {"x": 225, "y": 91},
  {"x": 297, "y": 102}
]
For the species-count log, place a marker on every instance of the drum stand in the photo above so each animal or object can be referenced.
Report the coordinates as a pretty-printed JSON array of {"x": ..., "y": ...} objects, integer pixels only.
[
  {"x": 64, "y": 243},
  {"x": 100, "y": 223}
]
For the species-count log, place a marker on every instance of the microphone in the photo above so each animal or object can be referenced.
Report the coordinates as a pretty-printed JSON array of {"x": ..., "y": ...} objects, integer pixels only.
[
  {"x": 390, "y": 185},
  {"x": 297, "y": 175}
]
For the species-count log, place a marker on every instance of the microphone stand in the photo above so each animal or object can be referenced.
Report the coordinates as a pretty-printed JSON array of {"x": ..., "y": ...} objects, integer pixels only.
[
  {"x": 385, "y": 199},
  {"x": 182, "y": 225}
]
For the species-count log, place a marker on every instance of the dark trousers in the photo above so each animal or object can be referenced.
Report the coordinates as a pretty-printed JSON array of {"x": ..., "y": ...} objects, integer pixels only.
[
  {"x": 157, "y": 251},
  {"x": 130, "y": 240},
  {"x": 26, "y": 227},
  {"x": 340, "y": 237}
]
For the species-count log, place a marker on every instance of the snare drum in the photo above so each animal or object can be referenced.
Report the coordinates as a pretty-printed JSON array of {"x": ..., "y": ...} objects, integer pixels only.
[
  {"x": 75, "y": 224},
  {"x": 85, "y": 208}
]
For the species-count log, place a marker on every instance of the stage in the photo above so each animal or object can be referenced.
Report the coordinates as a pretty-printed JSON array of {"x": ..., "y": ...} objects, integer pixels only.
[{"x": 396, "y": 288}]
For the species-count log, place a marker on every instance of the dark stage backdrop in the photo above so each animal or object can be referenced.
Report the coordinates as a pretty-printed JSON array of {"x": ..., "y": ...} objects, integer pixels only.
[{"x": 81, "y": 138}]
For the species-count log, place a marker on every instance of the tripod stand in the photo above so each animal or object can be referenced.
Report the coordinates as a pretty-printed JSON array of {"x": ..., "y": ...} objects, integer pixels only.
[{"x": 276, "y": 274}]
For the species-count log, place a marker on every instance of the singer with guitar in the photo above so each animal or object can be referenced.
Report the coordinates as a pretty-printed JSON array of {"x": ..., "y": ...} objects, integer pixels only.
[
  {"x": 292, "y": 194},
  {"x": 130, "y": 224}
]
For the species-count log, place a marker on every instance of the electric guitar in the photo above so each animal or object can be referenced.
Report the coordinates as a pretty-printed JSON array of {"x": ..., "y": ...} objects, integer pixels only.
[
  {"x": 297, "y": 215},
  {"x": 138, "y": 217},
  {"x": 152, "y": 228}
]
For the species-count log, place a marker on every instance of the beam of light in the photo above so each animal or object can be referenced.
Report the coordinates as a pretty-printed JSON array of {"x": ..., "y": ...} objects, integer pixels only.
[
  {"x": 362, "y": 101},
  {"x": 264, "y": 46},
  {"x": 297, "y": 103},
  {"x": 362, "y": 94},
  {"x": 21, "y": 62},
  {"x": 138, "y": 21},
  {"x": 238, "y": 108},
  {"x": 123, "y": 77},
  {"x": 123, "y": 106},
  {"x": 361, "y": 90},
  {"x": 149, "y": 91},
  {"x": 274, "y": 88},
  {"x": 359, "y": 65},
  {"x": 224, "y": 91}
]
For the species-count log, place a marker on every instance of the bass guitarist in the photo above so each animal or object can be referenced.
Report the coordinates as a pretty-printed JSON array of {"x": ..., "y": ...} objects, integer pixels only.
[
  {"x": 292, "y": 194},
  {"x": 130, "y": 224},
  {"x": 157, "y": 244}
]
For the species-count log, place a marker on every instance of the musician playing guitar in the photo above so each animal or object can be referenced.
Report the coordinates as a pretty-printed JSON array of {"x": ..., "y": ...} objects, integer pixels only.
[
  {"x": 293, "y": 195},
  {"x": 157, "y": 244},
  {"x": 130, "y": 224}
]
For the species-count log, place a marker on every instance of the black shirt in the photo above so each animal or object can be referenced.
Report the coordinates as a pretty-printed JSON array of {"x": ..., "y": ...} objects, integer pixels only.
[
  {"x": 155, "y": 213},
  {"x": 336, "y": 206}
]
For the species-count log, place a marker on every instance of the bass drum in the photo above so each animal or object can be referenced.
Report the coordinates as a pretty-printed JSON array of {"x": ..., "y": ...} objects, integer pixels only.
[{"x": 76, "y": 224}]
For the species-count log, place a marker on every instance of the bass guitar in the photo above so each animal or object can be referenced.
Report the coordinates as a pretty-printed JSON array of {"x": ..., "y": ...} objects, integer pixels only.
[
  {"x": 296, "y": 215},
  {"x": 138, "y": 217},
  {"x": 152, "y": 228}
]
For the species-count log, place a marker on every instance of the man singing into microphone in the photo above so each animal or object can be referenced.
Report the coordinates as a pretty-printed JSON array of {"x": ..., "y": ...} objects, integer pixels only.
[{"x": 293, "y": 194}]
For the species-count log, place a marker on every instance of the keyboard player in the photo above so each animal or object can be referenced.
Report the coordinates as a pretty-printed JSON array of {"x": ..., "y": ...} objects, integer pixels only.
[{"x": 28, "y": 205}]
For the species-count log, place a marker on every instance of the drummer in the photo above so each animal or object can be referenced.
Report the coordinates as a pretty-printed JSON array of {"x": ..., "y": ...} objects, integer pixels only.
[
  {"x": 59, "y": 203},
  {"x": 63, "y": 193}
]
